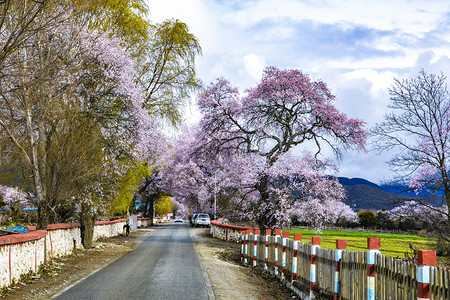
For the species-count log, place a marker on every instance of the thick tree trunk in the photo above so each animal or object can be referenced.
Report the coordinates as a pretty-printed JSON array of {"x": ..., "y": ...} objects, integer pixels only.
[
  {"x": 144, "y": 202},
  {"x": 43, "y": 218},
  {"x": 264, "y": 217},
  {"x": 150, "y": 209},
  {"x": 87, "y": 226}
]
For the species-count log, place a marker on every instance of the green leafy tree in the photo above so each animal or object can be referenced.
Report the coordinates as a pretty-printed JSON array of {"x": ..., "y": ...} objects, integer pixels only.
[
  {"x": 167, "y": 73},
  {"x": 367, "y": 218},
  {"x": 164, "y": 205}
]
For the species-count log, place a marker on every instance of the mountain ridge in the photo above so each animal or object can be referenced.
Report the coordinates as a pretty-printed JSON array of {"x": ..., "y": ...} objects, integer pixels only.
[{"x": 363, "y": 194}]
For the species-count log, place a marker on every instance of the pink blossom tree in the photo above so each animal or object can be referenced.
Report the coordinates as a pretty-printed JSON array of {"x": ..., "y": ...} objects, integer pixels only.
[
  {"x": 426, "y": 217},
  {"x": 284, "y": 111},
  {"x": 13, "y": 197},
  {"x": 319, "y": 213},
  {"x": 417, "y": 131}
]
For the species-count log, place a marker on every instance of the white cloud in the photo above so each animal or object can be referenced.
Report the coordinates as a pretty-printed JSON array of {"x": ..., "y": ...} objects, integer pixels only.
[
  {"x": 380, "y": 80},
  {"x": 254, "y": 65},
  {"x": 403, "y": 15}
]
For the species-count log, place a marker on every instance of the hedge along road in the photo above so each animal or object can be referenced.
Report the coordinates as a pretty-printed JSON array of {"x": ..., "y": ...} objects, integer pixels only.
[{"x": 163, "y": 266}]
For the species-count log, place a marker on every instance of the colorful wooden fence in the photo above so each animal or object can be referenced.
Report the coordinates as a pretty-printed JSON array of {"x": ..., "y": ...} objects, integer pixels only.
[{"x": 342, "y": 274}]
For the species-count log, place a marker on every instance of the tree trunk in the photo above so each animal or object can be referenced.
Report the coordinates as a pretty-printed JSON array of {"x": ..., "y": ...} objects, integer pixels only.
[
  {"x": 41, "y": 196},
  {"x": 263, "y": 218},
  {"x": 151, "y": 200},
  {"x": 87, "y": 226},
  {"x": 144, "y": 198},
  {"x": 148, "y": 209},
  {"x": 43, "y": 218},
  {"x": 446, "y": 183}
]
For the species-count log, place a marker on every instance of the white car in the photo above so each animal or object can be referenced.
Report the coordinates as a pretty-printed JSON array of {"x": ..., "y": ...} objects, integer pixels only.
[
  {"x": 178, "y": 219},
  {"x": 202, "y": 220}
]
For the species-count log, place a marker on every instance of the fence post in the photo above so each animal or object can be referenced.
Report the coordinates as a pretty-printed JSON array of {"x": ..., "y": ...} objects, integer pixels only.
[
  {"x": 255, "y": 246},
  {"x": 297, "y": 238},
  {"x": 315, "y": 241},
  {"x": 277, "y": 235},
  {"x": 373, "y": 244},
  {"x": 341, "y": 245},
  {"x": 266, "y": 250},
  {"x": 426, "y": 259},
  {"x": 242, "y": 245},
  {"x": 283, "y": 255},
  {"x": 246, "y": 246}
]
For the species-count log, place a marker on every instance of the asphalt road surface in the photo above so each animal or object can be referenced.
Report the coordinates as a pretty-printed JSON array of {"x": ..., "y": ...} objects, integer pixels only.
[{"x": 163, "y": 266}]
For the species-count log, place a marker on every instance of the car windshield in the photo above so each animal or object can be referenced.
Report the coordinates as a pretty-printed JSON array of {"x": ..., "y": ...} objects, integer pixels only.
[{"x": 203, "y": 216}]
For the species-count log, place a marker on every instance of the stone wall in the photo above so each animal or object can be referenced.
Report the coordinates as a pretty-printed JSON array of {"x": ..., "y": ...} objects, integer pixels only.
[
  {"x": 25, "y": 252},
  {"x": 106, "y": 229},
  {"x": 144, "y": 222},
  {"x": 20, "y": 254},
  {"x": 227, "y": 232},
  {"x": 62, "y": 239}
]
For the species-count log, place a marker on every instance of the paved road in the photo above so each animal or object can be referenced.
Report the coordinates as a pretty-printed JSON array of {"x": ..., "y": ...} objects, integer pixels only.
[{"x": 164, "y": 266}]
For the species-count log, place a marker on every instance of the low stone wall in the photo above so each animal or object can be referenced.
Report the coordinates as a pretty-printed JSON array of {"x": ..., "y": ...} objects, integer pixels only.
[
  {"x": 227, "y": 232},
  {"x": 62, "y": 239},
  {"x": 144, "y": 222},
  {"x": 20, "y": 254},
  {"x": 106, "y": 229},
  {"x": 25, "y": 252}
]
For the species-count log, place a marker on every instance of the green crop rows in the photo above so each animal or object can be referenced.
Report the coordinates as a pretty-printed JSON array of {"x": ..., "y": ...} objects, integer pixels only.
[{"x": 391, "y": 244}]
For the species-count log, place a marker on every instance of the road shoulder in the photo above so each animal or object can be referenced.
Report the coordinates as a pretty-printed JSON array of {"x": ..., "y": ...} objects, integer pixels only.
[{"x": 229, "y": 279}]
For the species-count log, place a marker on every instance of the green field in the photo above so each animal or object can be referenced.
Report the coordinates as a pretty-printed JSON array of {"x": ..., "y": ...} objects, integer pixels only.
[{"x": 394, "y": 245}]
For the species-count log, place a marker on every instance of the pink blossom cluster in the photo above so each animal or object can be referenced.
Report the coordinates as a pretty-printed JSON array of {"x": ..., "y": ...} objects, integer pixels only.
[
  {"x": 100, "y": 63},
  {"x": 13, "y": 195},
  {"x": 182, "y": 209},
  {"x": 294, "y": 182},
  {"x": 423, "y": 215},
  {"x": 319, "y": 213}
]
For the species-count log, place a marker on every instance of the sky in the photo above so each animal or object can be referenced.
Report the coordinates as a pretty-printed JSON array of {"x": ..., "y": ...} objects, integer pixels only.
[{"x": 356, "y": 47}]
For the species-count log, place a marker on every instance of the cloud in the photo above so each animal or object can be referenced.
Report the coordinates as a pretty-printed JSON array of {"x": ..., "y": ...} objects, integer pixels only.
[
  {"x": 254, "y": 65},
  {"x": 403, "y": 15}
]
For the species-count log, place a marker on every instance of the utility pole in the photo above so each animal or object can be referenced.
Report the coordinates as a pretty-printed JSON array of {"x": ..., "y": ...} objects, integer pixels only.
[{"x": 215, "y": 197}]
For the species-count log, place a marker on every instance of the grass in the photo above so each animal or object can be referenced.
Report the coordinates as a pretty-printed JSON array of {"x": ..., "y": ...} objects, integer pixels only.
[{"x": 392, "y": 245}]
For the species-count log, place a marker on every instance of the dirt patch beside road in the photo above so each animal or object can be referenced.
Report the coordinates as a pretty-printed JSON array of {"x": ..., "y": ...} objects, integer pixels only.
[{"x": 231, "y": 280}]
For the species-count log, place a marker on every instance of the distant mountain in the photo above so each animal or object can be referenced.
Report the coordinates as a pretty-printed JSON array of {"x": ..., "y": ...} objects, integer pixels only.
[
  {"x": 356, "y": 181},
  {"x": 363, "y": 194},
  {"x": 397, "y": 189},
  {"x": 426, "y": 196}
]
